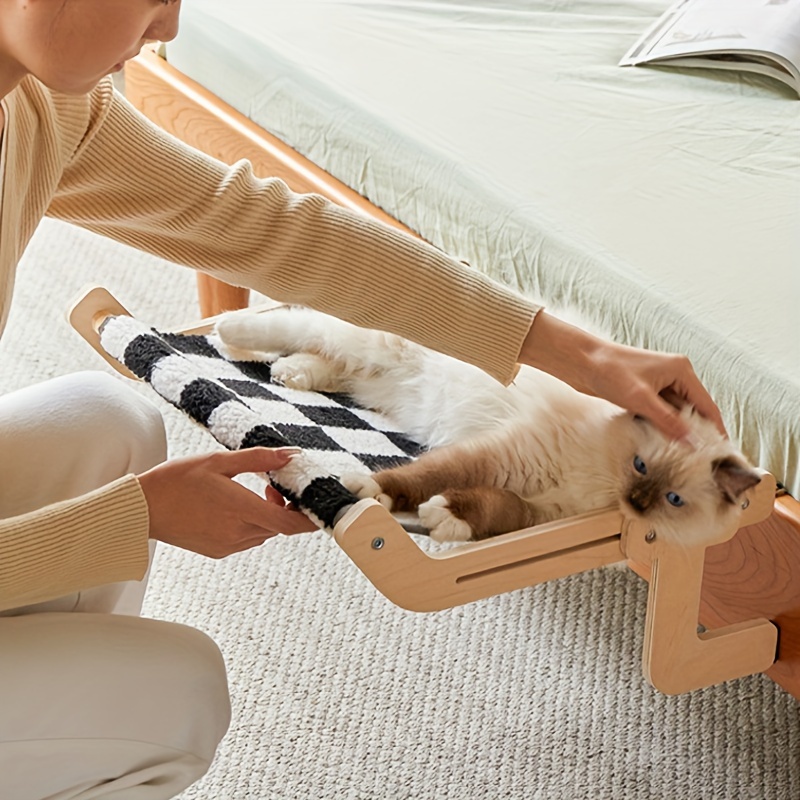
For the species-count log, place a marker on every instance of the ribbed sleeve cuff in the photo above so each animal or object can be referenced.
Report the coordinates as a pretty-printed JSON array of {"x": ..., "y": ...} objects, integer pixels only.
[{"x": 92, "y": 540}]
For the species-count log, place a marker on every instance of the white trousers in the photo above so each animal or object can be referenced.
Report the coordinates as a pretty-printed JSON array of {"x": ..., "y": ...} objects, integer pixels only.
[{"x": 94, "y": 700}]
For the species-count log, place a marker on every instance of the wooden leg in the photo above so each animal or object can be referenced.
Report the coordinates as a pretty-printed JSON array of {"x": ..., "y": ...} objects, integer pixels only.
[
  {"x": 215, "y": 296},
  {"x": 757, "y": 573},
  {"x": 678, "y": 658}
]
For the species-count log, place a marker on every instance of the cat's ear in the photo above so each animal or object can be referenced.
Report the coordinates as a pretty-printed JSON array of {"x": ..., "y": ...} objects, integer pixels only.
[{"x": 733, "y": 477}]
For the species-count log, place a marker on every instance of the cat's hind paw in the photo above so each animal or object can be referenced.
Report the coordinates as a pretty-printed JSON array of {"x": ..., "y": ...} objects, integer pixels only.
[
  {"x": 240, "y": 342},
  {"x": 304, "y": 372},
  {"x": 236, "y": 330},
  {"x": 363, "y": 486},
  {"x": 435, "y": 515}
]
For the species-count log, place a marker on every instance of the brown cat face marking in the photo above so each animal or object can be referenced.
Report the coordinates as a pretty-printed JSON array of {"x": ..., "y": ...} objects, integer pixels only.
[{"x": 681, "y": 489}]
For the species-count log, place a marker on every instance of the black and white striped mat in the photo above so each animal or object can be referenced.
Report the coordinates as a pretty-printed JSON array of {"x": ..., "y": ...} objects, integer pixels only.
[{"x": 240, "y": 406}]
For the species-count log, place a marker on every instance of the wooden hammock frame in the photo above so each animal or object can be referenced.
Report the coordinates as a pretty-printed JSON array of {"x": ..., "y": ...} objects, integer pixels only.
[{"x": 677, "y": 657}]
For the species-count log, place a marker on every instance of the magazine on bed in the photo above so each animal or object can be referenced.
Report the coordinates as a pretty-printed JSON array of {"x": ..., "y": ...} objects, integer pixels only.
[{"x": 752, "y": 35}]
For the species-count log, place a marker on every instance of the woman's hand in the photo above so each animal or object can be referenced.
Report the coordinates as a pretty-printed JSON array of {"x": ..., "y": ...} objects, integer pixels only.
[
  {"x": 194, "y": 503},
  {"x": 643, "y": 382}
]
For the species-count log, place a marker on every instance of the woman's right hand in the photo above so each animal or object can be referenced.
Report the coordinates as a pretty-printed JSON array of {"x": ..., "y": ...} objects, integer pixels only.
[
  {"x": 643, "y": 382},
  {"x": 194, "y": 503}
]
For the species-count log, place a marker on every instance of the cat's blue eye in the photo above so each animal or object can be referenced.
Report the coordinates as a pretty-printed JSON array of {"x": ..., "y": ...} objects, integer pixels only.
[
  {"x": 639, "y": 465},
  {"x": 674, "y": 499}
]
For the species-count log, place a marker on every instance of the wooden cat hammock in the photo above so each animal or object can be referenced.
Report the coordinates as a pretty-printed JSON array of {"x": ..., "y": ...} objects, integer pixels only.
[{"x": 679, "y": 656}]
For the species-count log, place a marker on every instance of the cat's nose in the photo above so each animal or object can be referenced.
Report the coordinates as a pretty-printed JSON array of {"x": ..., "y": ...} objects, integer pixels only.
[{"x": 640, "y": 499}]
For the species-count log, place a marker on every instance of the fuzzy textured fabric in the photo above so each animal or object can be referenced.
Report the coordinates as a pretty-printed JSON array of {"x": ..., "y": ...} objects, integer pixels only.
[{"x": 240, "y": 406}]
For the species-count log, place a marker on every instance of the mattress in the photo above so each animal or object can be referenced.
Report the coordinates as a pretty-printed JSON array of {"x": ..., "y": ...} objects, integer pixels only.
[{"x": 662, "y": 206}]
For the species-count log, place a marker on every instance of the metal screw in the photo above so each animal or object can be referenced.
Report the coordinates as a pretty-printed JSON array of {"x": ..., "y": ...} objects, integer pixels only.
[
  {"x": 377, "y": 543},
  {"x": 650, "y": 537},
  {"x": 745, "y": 504}
]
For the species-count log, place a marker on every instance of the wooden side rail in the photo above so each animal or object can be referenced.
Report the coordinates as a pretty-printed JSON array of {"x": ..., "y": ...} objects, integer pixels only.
[
  {"x": 419, "y": 581},
  {"x": 676, "y": 658}
]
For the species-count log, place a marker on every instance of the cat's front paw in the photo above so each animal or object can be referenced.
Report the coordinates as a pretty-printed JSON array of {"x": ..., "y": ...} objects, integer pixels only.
[
  {"x": 435, "y": 515},
  {"x": 363, "y": 486}
]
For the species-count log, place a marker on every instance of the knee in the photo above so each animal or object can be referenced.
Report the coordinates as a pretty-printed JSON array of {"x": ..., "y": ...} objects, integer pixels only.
[
  {"x": 125, "y": 415},
  {"x": 181, "y": 683},
  {"x": 99, "y": 699},
  {"x": 69, "y": 435},
  {"x": 194, "y": 677}
]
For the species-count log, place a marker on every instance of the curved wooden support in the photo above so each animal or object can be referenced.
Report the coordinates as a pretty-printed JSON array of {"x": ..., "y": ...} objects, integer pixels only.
[
  {"x": 94, "y": 304},
  {"x": 677, "y": 657},
  {"x": 419, "y": 581},
  {"x": 86, "y": 314}
]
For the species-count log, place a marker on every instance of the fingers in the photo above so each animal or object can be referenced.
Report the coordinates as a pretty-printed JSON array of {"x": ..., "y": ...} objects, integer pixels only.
[
  {"x": 270, "y": 514},
  {"x": 672, "y": 397},
  {"x": 274, "y": 496},
  {"x": 193, "y": 503},
  {"x": 293, "y": 524},
  {"x": 257, "y": 534},
  {"x": 686, "y": 388},
  {"x": 666, "y": 418},
  {"x": 641, "y": 381},
  {"x": 254, "y": 459},
  {"x": 661, "y": 404},
  {"x": 696, "y": 394}
]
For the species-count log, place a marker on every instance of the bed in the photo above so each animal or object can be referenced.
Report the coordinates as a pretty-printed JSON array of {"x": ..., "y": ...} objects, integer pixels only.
[{"x": 661, "y": 205}]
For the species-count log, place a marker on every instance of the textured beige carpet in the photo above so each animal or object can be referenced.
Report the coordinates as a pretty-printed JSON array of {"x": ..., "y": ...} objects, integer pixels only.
[{"x": 537, "y": 694}]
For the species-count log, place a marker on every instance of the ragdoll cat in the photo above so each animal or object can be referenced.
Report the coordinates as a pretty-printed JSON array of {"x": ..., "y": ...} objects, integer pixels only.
[{"x": 500, "y": 458}]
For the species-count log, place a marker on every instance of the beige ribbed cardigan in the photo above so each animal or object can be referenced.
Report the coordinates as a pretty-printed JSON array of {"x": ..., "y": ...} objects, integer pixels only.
[{"x": 93, "y": 160}]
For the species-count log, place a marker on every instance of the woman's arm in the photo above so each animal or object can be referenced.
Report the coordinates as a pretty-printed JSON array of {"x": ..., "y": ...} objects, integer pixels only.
[
  {"x": 98, "y": 538},
  {"x": 131, "y": 181}
]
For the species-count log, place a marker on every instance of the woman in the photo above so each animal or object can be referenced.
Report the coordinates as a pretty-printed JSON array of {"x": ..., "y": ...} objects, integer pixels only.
[{"x": 103, "y": 703}]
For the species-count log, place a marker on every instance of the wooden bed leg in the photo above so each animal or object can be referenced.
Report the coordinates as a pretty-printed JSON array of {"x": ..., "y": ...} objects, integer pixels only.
[
  {"x": 676, "y": 657},
  {"x": 215, "y": 296}
]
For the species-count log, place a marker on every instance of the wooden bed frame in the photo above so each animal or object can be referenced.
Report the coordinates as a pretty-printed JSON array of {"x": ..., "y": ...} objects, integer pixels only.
[{"x": 755, "y": 574}]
